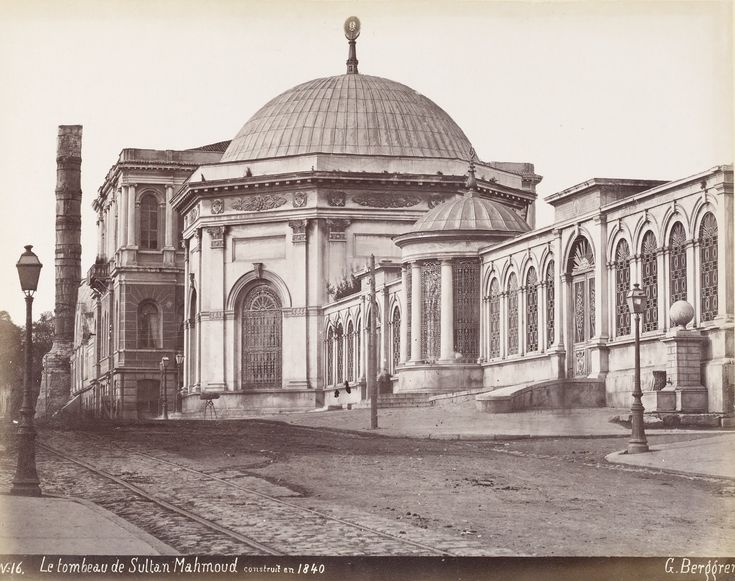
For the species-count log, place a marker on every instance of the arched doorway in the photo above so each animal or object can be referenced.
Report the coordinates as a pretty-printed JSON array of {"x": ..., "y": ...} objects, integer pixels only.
[
  {"x": 261, "y": 318},
  {"x": 581, "y": 277}
]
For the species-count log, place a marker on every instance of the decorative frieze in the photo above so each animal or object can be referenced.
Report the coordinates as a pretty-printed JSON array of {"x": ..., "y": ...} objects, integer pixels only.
[
  {"x": 212, "y": 315},
  {"x": 337, "y": 229},
  {"x": 191, "y": 216},
  {"x": 387, "y": 200},
  {"x": 258, "y": 203},
  {"x": 299, "y": 230},
  {"x": 294, "y": 312},
  {"x": 299, "y": 199},
  {"x": 218, "y": 206},
  {"x": 436, "y": 200},
  {"x": 336, "y": 198},
  {"x": 216, "y": 236}
]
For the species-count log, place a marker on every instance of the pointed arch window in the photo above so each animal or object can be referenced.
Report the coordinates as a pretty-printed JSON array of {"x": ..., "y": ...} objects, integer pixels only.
[
  {"x": 649, "y": 279},
  {"x": 149, "y": 227},
  {"x": 531, "y": 310},
  {"x": 550, "y": 303},
  {"x": 494, "y": 320},
  {"x": 466, "y": 292},
  {"x": 395, "y": 338},
  {"x": 512, "y": 315},
  {"x": 678, "y": 263},
  {"x": 148, "y": 326},
  {"x": 340, "y": 346},
  {"x": 622, "y": 286},
  {"x": 708, "y": 267},
  {"x": 329, "y": 372},
  {"x": 350, "y": 352}
]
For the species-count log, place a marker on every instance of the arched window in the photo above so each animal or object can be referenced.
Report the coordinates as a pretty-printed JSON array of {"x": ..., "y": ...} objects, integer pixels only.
[
  {"x": 708, "y": 267},
  {"x": 395, "y": 338},
  {"x": 650, "y": 281},
  {"x": 622, "y": 286},
  {"x": 431, "y": 300},
  {"x": 350, "y": 352},
  {"x": 531, "y": 310},
  {"x": 466, "y": 294},
  {"x": 148, "y": 326},
  {"x": 329, "y": 371},
  {"x": 550, "y": 303},
  {"x": 678, "y": 263},
  {"x": 261, "y": 331},
  {"x": 512, "y": 315},
  {"x": 340, "y": 345},
  {"x": 494, "y": 320},
  {"x": 581, "y": 270},
  {"x": 358, "y": 332},
  {"x": 149, "y": 222}
]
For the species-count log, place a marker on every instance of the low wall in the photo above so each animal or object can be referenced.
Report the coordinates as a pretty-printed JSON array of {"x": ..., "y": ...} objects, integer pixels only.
[
  {"x": 438, "y": 378},
  {"x": 520, "y": 370},
  {"x": 234, "y": 404},
  {"x": 555, "y": 394}
]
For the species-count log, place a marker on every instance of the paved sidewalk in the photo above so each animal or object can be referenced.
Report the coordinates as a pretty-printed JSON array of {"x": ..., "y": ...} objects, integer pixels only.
[
  {"x": 66, "y": 526},
  {"x": 709, "y": 457}
]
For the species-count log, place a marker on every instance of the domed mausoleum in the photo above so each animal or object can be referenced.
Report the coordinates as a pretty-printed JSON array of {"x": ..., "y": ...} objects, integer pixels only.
[{"x": 233, "y": 278}]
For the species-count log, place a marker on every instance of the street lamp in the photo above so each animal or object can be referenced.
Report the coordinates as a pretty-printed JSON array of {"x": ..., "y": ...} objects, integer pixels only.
[
  {"x": 179, "y": 386},
  {"x": 637, "y": 305},
  {"x": 164, "y": 404},
  {"x": 26, "y": 482}
]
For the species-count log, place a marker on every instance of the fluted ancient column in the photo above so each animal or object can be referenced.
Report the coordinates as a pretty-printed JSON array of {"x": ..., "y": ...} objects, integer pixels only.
[{"x": 56, "y": 378}]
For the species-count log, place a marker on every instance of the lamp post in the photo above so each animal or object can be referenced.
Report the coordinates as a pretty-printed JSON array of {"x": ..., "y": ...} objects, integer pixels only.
[
  {"x": 179, "y": 386},
  {"x": 637, "y": 305},
  {"x": 26, "y": 482},
  {"x": 164, "y": 403}
]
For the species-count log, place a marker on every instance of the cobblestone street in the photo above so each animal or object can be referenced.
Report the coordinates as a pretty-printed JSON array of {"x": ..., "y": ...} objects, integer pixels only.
[{"x": 306, "y": 491}]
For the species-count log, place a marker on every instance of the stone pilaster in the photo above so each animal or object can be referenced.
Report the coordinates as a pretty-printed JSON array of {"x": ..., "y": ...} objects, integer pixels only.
[
  {"x": 415, "y": 312},
  {"x": 683, "y": 368},
  {"x": 447, "y": 313}
]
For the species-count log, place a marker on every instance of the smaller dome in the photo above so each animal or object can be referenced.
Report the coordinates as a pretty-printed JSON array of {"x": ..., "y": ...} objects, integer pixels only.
[{"x": 471, "y": 213}]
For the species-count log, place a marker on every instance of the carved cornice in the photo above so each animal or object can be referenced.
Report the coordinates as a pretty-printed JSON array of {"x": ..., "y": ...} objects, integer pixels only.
[{"x": 336, "y": 198}]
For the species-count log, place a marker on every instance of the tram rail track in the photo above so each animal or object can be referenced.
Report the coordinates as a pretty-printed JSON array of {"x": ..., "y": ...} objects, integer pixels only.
[{"x": 311, "y": 517}]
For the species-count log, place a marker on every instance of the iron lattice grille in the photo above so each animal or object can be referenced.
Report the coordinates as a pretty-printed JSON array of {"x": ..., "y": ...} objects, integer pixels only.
[
  {"x": 650, "y": 282},
  {"x": 512, "y": 315},
  {"x": 340, "y": 348},
  {"x": 360, "y": 359},
  {"x": 678, "y": 263},
  {"x": 329, "y": 344},
  {"x": 579, "y": 312},
  {"x": 395, "y": 338},
  {"x": 550, "y": 303},
  {"x": 261, "y": 338},
  {"x": 708, "y": 267},
  {"x": 622, "y": 286},
  {"x": 591, "y": 306},
  {"x": 430, "y": 306},
  {"x": 409, "y": 302},
  {"x": 494, "y": 321},
  {"x": 350, "y": 352},
  {"x": 466, "y": 290},
  {"x": 581, "y": 257},
  {"x": 532, "y": 311}
]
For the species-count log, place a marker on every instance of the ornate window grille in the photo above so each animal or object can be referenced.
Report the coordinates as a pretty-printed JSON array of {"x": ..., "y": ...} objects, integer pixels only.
[
  {"x": 261, "y": 338},
  {"x": 650, "y": 281},
  {"x": 622, "y": 286},
  {"x": 494, "y": 321},
  {"x": 340, "y": 348},
  {"x": 531, "y": 310},
  {"x": 512, "y": 315},
  {"x": 466, "y": 290},
  {"x": 581, "y": 267},
  {"x": 149, "y": 222},
  {"x": 409, "y": 299},
  {"x": 395, "y": 339},
  {"x": 350, "y": 352},
  {"x": 550, "y": 303},
  {"x": 329, "y": 372},
  {"x": 591, "y": 306},
  {"x": 360, "y": 359},
  {"x": 431, "y": 304},
  {"x": 678, "y": 263},
  {"x": 708, "y": 267},
  {"x": 149, "y": 325}
]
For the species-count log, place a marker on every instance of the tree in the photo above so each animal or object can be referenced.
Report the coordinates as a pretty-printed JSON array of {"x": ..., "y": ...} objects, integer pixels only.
[
  {"x": 43, "y": 338},
  {"x": 11, "y": 365}
]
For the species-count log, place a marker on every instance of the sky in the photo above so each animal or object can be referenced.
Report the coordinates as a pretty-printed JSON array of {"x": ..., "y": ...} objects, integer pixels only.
[{"x": 580, "y": 89}]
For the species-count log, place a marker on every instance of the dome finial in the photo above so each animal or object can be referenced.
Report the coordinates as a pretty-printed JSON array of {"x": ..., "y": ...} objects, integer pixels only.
[
  {"x": 352, "y": 31},
  {"x": 471, "y": 183}
]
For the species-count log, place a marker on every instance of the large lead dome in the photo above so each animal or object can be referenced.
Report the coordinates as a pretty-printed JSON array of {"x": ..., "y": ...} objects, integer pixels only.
[{"x": 352, "y": 113}]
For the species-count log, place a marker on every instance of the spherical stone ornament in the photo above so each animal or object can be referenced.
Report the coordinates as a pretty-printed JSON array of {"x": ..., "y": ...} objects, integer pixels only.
[{"x": 681, "y": 313}]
